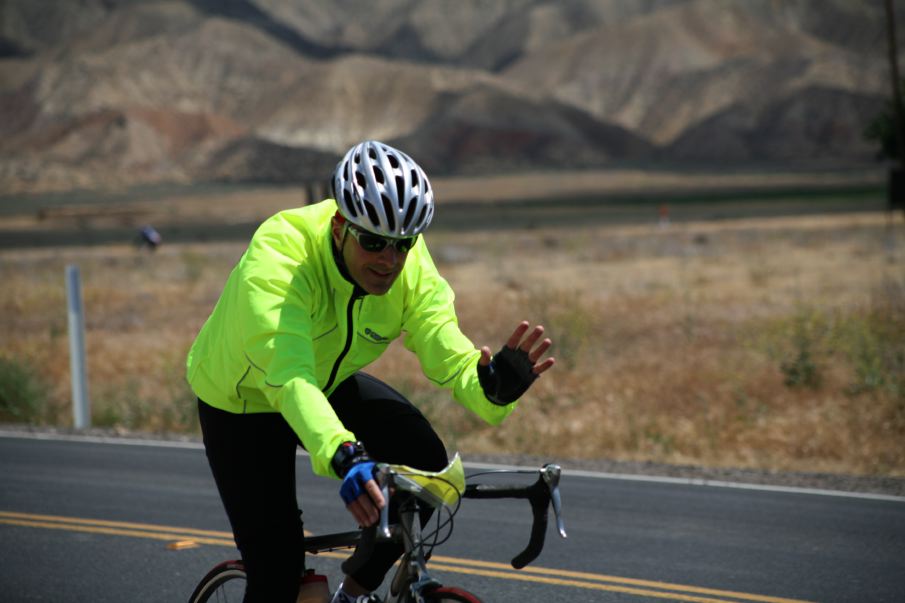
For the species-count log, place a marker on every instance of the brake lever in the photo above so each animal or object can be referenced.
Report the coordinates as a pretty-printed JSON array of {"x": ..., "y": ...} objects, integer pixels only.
[
  {"x": 383, "y": 479},
  {"x": 551, "y": 474}
]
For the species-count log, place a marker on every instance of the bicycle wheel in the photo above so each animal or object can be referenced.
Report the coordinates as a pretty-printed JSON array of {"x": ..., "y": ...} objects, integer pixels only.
[
  {"x": 450, "y": 594},
  {"x": 224, "y": 583}
]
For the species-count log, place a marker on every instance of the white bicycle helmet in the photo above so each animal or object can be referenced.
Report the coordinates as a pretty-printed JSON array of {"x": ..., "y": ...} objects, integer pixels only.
[{"x": 382, "y": 190}]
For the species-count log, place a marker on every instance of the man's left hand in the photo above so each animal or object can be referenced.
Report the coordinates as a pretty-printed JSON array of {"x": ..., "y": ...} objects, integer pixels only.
[{"x": 509, "y": 374}]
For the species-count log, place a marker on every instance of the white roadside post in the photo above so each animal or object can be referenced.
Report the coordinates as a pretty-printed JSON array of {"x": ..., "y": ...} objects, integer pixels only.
[{"x": 81, "y": 407}]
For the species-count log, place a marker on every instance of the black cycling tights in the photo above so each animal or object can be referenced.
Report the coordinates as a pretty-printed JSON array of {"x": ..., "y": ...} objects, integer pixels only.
[{"x": 252, "y": 457}]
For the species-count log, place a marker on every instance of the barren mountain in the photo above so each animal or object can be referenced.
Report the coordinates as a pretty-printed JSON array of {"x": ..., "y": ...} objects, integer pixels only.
[
  {"x": 117, "y": 92},
  {"x": 664, "y": 72}
]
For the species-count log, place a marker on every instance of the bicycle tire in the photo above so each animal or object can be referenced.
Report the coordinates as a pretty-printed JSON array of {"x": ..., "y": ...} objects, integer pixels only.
[
  {"x": 450, "y": 594},
  {"x": 223, "y": 584}
]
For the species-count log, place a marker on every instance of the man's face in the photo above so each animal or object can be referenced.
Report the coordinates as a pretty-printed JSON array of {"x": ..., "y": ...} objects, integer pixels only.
[{"x": 375, "y": 272}]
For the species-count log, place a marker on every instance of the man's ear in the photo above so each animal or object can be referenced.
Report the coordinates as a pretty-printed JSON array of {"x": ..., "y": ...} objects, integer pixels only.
[{"x": 336, "y": 228}]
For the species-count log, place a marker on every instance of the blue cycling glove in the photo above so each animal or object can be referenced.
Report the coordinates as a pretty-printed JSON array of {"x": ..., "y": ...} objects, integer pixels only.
[
  {"x": 352, "y": 463},
  {"x": 355, "y": 480},
  {"x": 508, "y": 376}
]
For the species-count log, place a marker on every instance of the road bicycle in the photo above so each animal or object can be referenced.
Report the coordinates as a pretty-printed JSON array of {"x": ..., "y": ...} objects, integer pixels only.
[{"x": 415, "y": 491}]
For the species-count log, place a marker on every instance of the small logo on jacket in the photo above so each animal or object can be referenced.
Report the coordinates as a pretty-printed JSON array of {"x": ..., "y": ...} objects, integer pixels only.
[{"x": 375, "y": 336}]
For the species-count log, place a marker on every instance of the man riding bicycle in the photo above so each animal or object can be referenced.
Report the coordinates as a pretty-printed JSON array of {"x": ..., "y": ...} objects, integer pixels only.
[{"x": 319, "y": 294}]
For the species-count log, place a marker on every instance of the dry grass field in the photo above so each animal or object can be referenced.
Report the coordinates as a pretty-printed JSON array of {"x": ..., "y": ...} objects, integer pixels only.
[{"x": 769, "y": 343}]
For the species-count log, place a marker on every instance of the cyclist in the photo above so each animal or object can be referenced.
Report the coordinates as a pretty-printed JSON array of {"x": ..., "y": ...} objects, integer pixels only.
[{"x": 319, "y": 294}]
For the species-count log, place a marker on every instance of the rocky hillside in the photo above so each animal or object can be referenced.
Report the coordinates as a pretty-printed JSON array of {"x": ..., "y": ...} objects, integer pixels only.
[{"x": 109, "y": 93}]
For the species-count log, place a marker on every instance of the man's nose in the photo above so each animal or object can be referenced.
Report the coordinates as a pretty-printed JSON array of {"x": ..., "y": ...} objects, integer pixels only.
[{"x": 390, "y": 256}]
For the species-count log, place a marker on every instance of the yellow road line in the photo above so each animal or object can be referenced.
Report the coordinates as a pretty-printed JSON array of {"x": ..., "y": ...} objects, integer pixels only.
[
  {"x": 113, "y": 524},
  {"x": 673, "y": 592},
  {"x": 676, "y": 595},
  {"x": 586, "y": 580},
  {"x": 122, "y": 528},
  {"x": 617, "y": 579}
]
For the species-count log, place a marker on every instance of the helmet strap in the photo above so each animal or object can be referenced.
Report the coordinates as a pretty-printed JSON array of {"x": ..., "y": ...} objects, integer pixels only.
[{"x": 341, "y": 260}]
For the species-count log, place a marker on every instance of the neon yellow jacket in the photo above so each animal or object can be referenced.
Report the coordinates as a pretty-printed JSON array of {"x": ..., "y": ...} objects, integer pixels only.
[{"x": 279, "y": 328}]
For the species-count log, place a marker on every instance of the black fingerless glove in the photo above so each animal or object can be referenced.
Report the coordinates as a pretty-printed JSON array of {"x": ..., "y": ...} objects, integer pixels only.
[{"x": 507, "y": 377}]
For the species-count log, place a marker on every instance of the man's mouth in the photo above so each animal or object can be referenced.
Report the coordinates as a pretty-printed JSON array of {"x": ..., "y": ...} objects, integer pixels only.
[{"x": 381, "y": 273}]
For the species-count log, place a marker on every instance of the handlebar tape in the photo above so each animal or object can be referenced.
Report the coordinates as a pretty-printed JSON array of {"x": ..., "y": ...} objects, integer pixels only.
[{"x": 539, "y": 496}]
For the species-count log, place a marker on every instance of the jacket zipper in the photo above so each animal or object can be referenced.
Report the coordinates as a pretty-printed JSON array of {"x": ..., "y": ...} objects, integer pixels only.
[{"x": 350, "y": 312}]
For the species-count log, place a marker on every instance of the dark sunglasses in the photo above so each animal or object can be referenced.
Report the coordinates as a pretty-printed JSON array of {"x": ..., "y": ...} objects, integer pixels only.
[{"x": 374, "y": 243}]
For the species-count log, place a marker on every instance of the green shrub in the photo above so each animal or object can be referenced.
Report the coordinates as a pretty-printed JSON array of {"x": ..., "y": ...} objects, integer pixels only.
[
  {"x": 875, "y": 346},
  {"x": 808, "y": 332},
  {"x": 22, "y": 392},
  {"x": 868, "y": 342}
]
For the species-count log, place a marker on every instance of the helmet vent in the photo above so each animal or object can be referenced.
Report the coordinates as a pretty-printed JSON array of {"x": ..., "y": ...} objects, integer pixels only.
[
  {"x": 388, "y": 212},
  {"x": 350, "y": 206},
  {"x": 414, "y": 179},
  {"x": 372, "y": 153},
  {"x": 372, "y": 212},
  {"x": 394, "y": 163},
  {"x": 378, "y": 174},
  {"x": 409, "y": 214},
  {"x": 400, "y": 190},
  {"x": 421, "y": 216},
  {"x": 360, "y": 179}
]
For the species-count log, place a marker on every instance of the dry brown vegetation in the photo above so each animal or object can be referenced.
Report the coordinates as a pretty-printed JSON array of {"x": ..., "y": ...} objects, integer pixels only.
[{"x": 767, "y": 343}]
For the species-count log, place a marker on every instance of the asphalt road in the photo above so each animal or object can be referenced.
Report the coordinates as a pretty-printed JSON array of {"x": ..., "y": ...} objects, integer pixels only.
[
  {"x": 97, "y": 521},
  {"x": 452, "y": 216}
]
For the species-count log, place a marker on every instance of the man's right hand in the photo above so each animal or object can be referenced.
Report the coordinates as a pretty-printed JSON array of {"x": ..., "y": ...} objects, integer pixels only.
[
  {"x": 359, "y": 491},
  {"x": 362, "y": 495}
]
